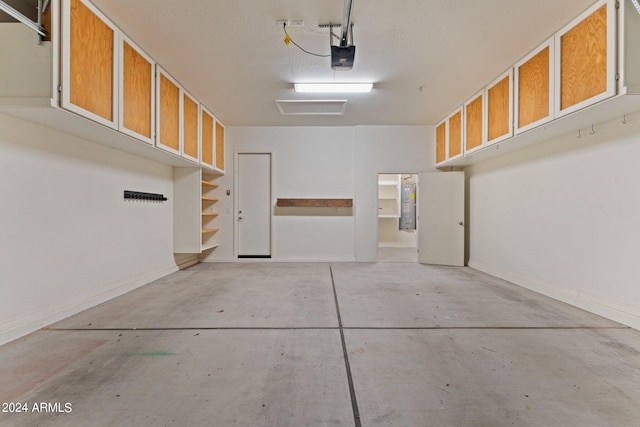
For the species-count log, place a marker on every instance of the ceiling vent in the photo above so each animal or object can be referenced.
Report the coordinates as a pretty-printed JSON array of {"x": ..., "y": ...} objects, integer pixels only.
[{"x": 323, "y": 107}]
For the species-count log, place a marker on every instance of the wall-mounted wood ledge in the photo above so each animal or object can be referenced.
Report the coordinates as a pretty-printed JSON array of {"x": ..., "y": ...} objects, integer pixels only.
[{"x": 314, "y": 203}]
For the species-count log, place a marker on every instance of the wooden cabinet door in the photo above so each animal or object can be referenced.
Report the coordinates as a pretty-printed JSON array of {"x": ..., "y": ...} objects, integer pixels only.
[
  {"x": 586, "y": 58},
  {"x": 219, "y": 146},
  {"x": 449, "y": 137},
  {"x": 500, "y": 108},
  {"x": 207, "y": 137},
  {"x": 441, "y": 142},
  {"x": 137, "y": 87},
  {"x": 168, "y": 106},
  {"x": 190, "y": 127},
  {"x": 89, "y": 47},
  {"x": 454, "y": 137},
  {"x": 474, "y": 113},
  {"x": 534, "y": 82}
]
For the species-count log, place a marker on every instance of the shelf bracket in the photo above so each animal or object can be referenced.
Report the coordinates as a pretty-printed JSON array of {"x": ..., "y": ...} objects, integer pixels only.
[{"x": 35, "y": 26}]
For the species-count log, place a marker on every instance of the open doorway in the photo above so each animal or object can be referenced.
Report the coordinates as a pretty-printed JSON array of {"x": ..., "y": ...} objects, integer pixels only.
[{"x": 397, "y": 217}]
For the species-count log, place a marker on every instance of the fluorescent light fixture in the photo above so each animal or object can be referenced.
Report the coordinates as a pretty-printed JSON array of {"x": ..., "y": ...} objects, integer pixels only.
[{"x": 333, "y": 87}]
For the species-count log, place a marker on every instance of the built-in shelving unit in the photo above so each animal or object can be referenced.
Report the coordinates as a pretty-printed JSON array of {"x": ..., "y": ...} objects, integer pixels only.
[
  {"x": 389, "y": 196},
  {"x": 209, "y": 189},
  {"x": 194, "y": 208},
  {"x": 586, "y": 74}
]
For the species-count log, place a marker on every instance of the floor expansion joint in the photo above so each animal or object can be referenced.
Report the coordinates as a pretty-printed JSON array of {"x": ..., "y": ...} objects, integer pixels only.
[{"x": 352, "y": 390}]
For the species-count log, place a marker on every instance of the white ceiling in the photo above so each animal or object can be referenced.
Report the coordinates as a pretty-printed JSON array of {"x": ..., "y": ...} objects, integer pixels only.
[{"x": 425, "y": 56}]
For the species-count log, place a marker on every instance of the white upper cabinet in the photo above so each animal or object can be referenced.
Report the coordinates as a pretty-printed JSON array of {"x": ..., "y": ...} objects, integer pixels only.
[
  {"x": 586, "y": 59},
  {"x": 587, "y": 73},
  {"x": 499, "y": 94},
  {"x": 89, "y": 63},
  {"x": 137, "y": 91},
  {"x": 92, "y": 81},
  {"x": 449, "y": 137},
  {"x": 534, "y": 88},
  {"x": 190, "y": 129},
  {"x": 475, "y": 111},
  {"x": 169, "y": 112}
]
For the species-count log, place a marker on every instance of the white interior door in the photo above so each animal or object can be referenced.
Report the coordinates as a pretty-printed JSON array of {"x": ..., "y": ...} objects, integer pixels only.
[
  {"x": 254, "y": 205},
  {"x": 441, "y": 218}
]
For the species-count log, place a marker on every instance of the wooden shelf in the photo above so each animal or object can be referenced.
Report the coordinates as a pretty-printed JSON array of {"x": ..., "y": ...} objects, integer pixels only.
[
  {"x": 213, "y": 214},
  {"x": 206, "y": 247},
  {"x": 210, "y": 199},
  {"x": 314, "y": 203},
  {"x": 210, "y": 184},
  {"x": 209, "y": 230}
]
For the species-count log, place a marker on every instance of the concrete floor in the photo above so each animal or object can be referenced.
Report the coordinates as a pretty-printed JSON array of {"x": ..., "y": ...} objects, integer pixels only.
[
  {"x": 271, "y": 344},
  {"x": 393, "y": 254}
]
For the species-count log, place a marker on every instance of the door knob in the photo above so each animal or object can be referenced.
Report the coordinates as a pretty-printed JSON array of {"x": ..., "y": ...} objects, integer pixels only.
[{"x": 461, "y": 223}]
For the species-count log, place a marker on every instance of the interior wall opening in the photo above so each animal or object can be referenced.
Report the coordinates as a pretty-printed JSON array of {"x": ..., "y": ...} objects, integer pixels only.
[{"x": 397, "y": 217}]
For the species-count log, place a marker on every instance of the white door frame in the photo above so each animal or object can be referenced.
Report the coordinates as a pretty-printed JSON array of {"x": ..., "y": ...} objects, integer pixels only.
[{"x": 234, "y": 214}]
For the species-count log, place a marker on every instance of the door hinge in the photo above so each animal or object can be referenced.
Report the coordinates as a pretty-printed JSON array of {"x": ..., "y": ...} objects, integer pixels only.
[
  {"x": 617, "y": 4},
  {"x": 617, "y": 77},
  {"x": 60, "y": 88}
]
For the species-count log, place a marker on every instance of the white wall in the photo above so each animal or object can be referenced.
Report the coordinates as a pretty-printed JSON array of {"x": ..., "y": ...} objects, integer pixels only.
[
  {"x": 384, "y": 149},
  {"x": 563, "y": 218},
  {"x": 307, "y": 162},
  {"x": 324, "y": 162},
  {"x": 68, "y": 239}
]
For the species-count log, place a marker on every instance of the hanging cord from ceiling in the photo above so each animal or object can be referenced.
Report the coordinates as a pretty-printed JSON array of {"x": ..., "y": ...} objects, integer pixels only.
[{"x": 288, "y": 39}]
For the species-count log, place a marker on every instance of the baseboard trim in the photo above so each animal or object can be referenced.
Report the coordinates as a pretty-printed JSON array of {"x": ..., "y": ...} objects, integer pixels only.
[
  {"x": 294, "y": 260},
  {"x": 26, "y": 323},
  {"x": 226, "y": 260},
  {"x": 597, "y": 304},
  {"x": 187, "y": 261}
]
